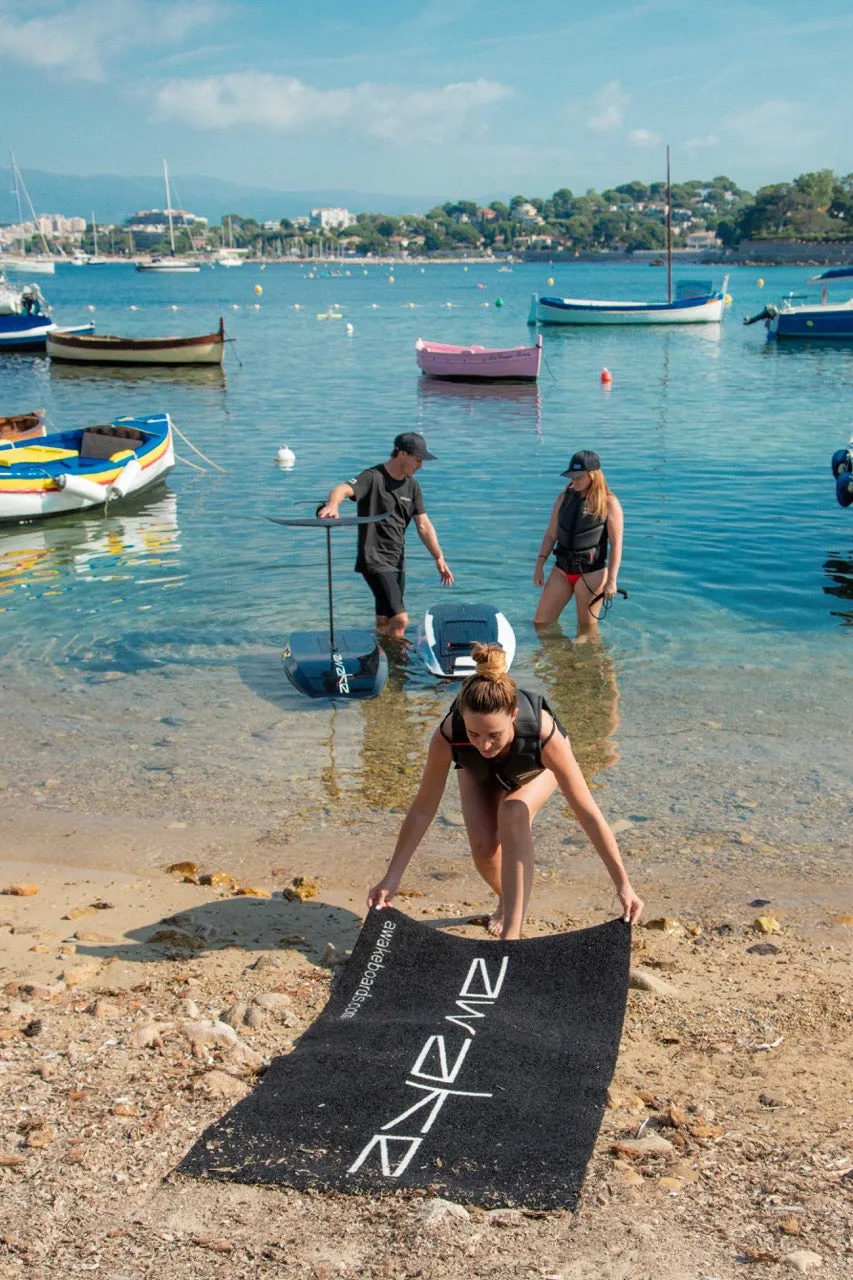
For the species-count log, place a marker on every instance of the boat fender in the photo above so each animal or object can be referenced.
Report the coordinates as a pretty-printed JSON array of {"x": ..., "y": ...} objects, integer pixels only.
[
  {"x": 126, "y": 479},
  {"x": 842, "y": 461},
  {"x": 80, "y": 487},
  {"x": 844, "y": 489}
]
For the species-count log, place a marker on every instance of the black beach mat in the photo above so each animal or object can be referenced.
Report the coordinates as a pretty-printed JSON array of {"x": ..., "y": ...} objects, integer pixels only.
[{"x": 476, "y": 1069}]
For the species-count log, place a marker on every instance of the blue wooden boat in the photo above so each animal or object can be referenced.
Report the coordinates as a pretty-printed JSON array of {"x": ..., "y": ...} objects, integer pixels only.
[
  {"x": 25, "y": 319},
  {"x": 794, "y": 318},
  {"x": 87, "y": 467}
]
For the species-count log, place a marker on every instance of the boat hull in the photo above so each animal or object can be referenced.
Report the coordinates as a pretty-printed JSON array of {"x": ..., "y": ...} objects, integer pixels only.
[
  {"x": 29, "y": 266},
  {"x": 30, "y": 333},
  {"x": 23, "y": 426},
  {"x": 577, "y": 311},
  {"x": 97, "y": 349},
  {"x": 170, "y": 268},
  {"x": 34, "y": 488},
  {"x": 479, "y": 364},
  {"x": 826, "y": 322}
]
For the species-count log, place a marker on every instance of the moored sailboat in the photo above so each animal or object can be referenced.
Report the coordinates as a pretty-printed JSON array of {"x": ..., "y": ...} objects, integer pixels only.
[{"x": 173, "y": 265}]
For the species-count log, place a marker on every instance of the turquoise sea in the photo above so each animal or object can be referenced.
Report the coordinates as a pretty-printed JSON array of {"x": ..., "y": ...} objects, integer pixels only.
[{"x": 725, "y": 673}]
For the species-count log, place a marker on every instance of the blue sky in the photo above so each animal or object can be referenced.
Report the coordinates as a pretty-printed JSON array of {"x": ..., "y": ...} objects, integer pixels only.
[{"x": 471, "y": 98}]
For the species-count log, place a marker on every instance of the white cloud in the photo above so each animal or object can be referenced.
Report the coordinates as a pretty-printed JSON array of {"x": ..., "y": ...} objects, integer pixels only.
[
  {"x": 81, "y": 39},
  {"x": 701, "y": 144},
  {"x": 288, "y": 105},
  {"x": 608, "y": 107},
  {"x": 643, "y": 138}
]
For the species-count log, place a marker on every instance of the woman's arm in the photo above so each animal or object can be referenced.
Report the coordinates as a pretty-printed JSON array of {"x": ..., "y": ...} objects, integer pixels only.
[
  {"x": 547, "y": 544},
  {"x": 615, "y": 531},
  {"x": 417, "y": 821},
  {"x": 558, "y": 756}
]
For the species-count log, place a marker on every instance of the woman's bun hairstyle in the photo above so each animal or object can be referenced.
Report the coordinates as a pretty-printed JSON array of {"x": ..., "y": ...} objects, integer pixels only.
[{"x": 492, "y": 689}]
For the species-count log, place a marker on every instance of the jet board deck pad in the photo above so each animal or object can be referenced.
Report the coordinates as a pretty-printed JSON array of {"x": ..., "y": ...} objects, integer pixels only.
[
  {"x": 449, "y": 629},
  {"x": 356, "y": 668},
  {"x": 477, "y": 1069}
]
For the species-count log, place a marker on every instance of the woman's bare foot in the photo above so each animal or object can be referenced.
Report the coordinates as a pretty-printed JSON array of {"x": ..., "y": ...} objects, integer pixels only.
[{"x": 495, "y": 921}]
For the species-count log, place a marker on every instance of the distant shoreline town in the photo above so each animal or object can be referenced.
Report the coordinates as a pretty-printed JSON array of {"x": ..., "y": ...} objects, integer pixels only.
[{"x": 809, "y": 220}]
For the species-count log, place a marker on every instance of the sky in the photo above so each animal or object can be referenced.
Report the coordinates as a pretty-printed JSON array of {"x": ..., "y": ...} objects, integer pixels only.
[{"x": 469, "y": 99}]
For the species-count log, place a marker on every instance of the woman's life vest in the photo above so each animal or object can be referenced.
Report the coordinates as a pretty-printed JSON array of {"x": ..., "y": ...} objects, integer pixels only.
[
  {"x": 522, "y": 762},
  {"x": 581, "y": 536}
]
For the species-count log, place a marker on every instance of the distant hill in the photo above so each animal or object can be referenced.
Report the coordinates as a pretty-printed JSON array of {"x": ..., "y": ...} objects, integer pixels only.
[{"x": 114, "y": 198}]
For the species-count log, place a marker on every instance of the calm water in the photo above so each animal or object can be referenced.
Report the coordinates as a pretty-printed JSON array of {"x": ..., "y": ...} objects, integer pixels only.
[{"x": 738, "y": 560}]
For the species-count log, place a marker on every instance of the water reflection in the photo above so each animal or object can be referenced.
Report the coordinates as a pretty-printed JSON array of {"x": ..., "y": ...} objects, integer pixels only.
[
  {"x": 143, "y": 537},
  {"x": 86, "y": 376},
  {"x": 840, "y": 573},
  {"x": 579, "y": 680},
  {"x": 495, "y": 404}
]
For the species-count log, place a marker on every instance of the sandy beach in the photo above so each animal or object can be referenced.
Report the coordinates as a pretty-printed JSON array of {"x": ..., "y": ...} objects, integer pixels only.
[{"x": 734, "y": 1069}]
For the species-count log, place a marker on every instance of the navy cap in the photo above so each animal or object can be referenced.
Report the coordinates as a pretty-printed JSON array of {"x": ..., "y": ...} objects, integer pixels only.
[
  {"x": 412, "y": 442},
  {"x": 583, "y": 460}
]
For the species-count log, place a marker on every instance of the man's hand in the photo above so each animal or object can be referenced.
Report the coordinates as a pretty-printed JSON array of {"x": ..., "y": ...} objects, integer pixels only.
[
  {"x": 444, "y": 572},
  {"x": 329, "y": 512}
]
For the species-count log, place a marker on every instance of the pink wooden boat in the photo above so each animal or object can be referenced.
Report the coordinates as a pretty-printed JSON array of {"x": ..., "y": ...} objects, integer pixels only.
[{"x": 479, "y": 364}]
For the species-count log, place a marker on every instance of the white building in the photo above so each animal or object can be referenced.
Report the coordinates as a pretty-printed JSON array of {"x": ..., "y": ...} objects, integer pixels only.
[
  {"x": 331, "y": 219},
  {"x": 702, "y": 240},
  {"x": 527, "y": 214}
]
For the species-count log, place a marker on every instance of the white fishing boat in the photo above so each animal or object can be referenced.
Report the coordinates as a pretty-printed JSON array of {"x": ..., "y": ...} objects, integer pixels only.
[
  {"x": 695, "y": 302},
  {"x": 100, "y": 348},
  {"x": 228, "y": 255},
  {"x": 173, "y": 265}
]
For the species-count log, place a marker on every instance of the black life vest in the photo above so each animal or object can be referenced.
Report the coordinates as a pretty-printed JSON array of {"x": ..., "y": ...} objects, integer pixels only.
[
  {"x": 581, "y": 536},
  {"x": 522, "y": 762}
]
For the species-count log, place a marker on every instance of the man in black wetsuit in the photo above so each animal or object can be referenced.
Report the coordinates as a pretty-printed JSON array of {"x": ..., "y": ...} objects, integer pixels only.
[{"x": 390, "y": 487}]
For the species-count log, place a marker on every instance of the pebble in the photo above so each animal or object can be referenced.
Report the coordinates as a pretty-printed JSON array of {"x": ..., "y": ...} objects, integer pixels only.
[
  {"x": 621, "y": 824},
  {"x": 246, "y": 891},
  {"x": 767, "y": 924},
  {"x": 219, "y": 880},
  {"x": 300, "y": 889},
  {"x": 254, "y": 1018},
  {"x": 235, "y": 1014},
  {"x": 666, "y": 924},
  {"x": 272, "y": 1000},
  {"x": 438, "y": 1210},
  {"x": 175, "y": 938},
  {"x": 21, "y": 890},
  {"x": 763, "y": 949},
  {"x": 650, "y": 1145},
  {"x": 190, "y": 1010},
  {"x": 183, "y": 868},
  {"x": 219, "y": 1084},
  {"x": 803, "y": 1260},
  {"x": 79, "y": 975},
  {"x": 208, "y": 1033},
  {"x": 503, "y": 1217},
  {"x": 268, "y": 962},
  {"x": 642, "y": 980}
]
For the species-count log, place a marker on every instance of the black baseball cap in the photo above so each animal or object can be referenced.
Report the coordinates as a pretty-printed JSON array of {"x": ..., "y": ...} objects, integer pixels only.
[
  {"x": 583, "y": 460},
  {"x": 412, "y": 442}
]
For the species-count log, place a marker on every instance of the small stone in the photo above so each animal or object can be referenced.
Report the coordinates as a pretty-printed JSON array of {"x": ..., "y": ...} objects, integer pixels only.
[
  {"x": 703, "y": 1130},
  {"x": 803, "y": 1260},
  {"x": 176, "y": 938},
  {"x": 763, "y": 949},
  {"x": 272, "y": 1000},
  {"x": 40, "y": 948},
  {"x": 219, "y": 880},
  {"x": 270, "y": 962},
  {"x": 790, "y": 1226},
  {"x": 743, "y": 837},
  {"x": 633, "y": 1179},
  {"x": 190, "y": 1009},
  {"x": 247, "y": 891},
  {"x": 79, "y": 975},
  {"x": 149, "y": 1035},
  {"x": 300, "y": 889},
  {"x": 767, "y": 924},
  {"x": 183, "y": 869},
  {"x": 642, "y": 980},
  {"x": 11, "y": 1160},
  {"x": 254, "y": 1018},
  {"x": 670, "y": 1184},
  {"x": 41, "y": 991},
  {"x": 637, "y": 1148},
  {"x": 21, "y": 890},
  {"x": 235, "y": 1014},
  {"x": 331, "y": 957},
  {"x": 438, "y": 1210},
  {"x": 219, "y": 1084},
  {"x": 208, "y": 1034},
  {"x": 40, "y": 1135},
  {"x": 666, "y": 924},
  {"x": 83, "y": 935},
  {"x": 125, "y": 1108},
  {"x": 620, "y": 825},
  {"x": 503, "y": 1217}
]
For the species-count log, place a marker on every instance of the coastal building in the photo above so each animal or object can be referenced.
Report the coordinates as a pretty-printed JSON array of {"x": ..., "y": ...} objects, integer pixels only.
[
  {"x": 527, "y": 214},
  {"x": 331, "y": 219},
  {"x": 702, "y": 240}
]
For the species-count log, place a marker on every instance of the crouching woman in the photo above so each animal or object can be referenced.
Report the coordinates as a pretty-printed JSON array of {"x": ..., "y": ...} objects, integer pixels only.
[{"x": 511, "y": 753}]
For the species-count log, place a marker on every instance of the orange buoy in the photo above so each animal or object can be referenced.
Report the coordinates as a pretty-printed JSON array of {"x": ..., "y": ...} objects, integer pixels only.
[{"x": 606, "y": 377}]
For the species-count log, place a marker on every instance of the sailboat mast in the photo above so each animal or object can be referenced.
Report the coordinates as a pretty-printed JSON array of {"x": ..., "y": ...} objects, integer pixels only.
[
  {"x": 94, "y": 234},
  {"x": 169, "y": 208},
  {"x": 668, "y": 231}
]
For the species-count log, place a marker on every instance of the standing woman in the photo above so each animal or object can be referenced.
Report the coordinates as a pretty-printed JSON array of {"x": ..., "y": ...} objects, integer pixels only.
[
  {"x": 511, "y": 753},
  {"x": 585, "y": 518}
]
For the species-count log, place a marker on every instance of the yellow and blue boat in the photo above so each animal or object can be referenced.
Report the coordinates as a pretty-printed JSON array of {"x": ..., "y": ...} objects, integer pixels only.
[{"x": 84, "y": 468}]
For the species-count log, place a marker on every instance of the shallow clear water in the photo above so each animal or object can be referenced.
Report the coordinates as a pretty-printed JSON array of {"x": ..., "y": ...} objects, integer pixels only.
[{"x": 738, "y": 561}]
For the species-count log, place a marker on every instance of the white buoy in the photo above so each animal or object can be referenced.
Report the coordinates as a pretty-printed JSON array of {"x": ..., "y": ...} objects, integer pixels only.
[
  {"x": 132, "y": 308},
  {"x": 174, "y": 307},
  {"x": 297, "y": 306},
  {"x": 350, "y": 328},
  {"x": 374, "y": 306},
  {"x": 448, "y": 304},
  {"x": 90, "y": 307},
  {"x": 285, "y": 457},
  {"x": 235, "y": 306},
  {"x": 256, "y": 306}
]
